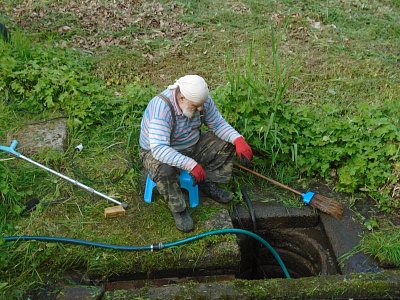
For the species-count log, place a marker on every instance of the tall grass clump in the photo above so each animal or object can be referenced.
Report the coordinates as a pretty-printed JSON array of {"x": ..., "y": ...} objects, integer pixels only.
[
  {"x": 359, "y": 144},
  {"x": 384, "y": 245},
  {"x": 254, "y": 99}
]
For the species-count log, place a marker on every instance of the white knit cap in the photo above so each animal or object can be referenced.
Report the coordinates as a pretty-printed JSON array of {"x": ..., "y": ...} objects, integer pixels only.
[{"x": 193, "y": 87}]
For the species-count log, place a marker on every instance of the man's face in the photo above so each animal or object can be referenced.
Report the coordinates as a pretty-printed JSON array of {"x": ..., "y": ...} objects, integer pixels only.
[{"x": 188, "y": 108}]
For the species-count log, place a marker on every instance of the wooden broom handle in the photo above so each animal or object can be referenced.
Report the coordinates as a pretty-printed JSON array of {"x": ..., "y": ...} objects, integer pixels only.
[{"x": 268, "y": 179}]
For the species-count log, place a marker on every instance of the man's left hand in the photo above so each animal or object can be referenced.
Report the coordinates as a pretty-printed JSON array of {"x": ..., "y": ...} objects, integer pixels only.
[
  {"x": 198, "y": 173},
  {"x": 243, "y": 149}
]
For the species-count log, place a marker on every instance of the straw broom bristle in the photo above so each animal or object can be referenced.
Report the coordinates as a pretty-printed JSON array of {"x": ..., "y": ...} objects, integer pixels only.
[{"x": 327, "y": 205}]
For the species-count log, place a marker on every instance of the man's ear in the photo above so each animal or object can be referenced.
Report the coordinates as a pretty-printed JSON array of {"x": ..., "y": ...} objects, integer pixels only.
[{"x": 179, "y": 96}]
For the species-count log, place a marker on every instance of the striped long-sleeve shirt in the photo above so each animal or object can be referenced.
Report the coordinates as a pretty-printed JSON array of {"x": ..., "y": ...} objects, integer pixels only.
[{"x": 156, "y": 128}]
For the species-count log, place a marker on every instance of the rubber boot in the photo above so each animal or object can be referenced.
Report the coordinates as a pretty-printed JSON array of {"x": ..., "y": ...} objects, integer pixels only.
[
  {"x": 183, "y": 221},
  {"x": 211, "y": 190}
]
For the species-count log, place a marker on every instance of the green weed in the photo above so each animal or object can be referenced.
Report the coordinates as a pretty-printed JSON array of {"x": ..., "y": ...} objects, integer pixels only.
[{"x": 382, "y": 244}]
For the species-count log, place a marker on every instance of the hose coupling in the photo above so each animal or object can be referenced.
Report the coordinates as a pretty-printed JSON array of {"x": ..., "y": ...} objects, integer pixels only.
[{"x": 158, "y": 246}]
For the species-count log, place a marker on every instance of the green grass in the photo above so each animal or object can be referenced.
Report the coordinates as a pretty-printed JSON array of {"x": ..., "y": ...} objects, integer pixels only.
[
  {"x": 383, "y": 245},
  {"x": 303, "y": 92}
]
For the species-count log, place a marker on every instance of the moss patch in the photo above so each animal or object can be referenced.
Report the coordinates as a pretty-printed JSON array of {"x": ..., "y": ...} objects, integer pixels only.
[{"x": 361, "y": 286}]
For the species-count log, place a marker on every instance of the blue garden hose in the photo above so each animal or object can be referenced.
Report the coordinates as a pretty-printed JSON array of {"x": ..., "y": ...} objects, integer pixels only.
[{"x": 152, "y": 247}]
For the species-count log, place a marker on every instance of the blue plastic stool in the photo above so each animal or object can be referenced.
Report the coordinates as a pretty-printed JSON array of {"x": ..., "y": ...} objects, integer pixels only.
[{"x": 186, "y": 182}]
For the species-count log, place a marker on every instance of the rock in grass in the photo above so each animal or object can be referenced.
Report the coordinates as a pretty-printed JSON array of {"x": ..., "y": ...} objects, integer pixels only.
[{"x": 81, "y": 292}]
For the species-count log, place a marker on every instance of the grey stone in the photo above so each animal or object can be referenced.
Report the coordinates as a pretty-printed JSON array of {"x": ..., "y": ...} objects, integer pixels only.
[
  {"x": 81, "y": 292},
  {"x": 219, "y": 220},
  {"x": 36, "y": 136}
]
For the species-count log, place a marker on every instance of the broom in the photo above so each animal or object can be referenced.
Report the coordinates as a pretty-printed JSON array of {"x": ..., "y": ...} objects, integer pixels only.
[{"x": 324, "y": 204}]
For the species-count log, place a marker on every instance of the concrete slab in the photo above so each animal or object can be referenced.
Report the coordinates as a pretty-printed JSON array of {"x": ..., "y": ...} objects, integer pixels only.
[
  {"x": 384, "y": 285},
  {"x": 273, "y": 216},
  {"x": 344, "y": 235}
]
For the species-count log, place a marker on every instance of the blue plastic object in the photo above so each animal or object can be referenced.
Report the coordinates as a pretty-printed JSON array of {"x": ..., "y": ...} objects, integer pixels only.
[
  {"x": 307, "y": 197},
  {"x": 11, "y": 149},
  {"x": 148, "y": 190},
  {"x": 186, "y": 182}
]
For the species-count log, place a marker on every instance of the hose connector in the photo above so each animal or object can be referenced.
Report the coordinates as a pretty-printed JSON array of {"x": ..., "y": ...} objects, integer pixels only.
[{"x": 158, "y": 246}]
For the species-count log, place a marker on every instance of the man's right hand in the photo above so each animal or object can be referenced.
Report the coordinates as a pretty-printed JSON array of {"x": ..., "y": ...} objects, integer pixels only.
[{"x": 198, "y": 173}]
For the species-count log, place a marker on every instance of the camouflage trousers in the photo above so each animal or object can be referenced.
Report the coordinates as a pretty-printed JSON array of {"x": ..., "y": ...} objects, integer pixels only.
[{"x": 212, "y": 153}]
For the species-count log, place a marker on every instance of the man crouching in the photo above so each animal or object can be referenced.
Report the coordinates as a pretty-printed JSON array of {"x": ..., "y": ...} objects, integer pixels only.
[{"x": 170, "y": 141}]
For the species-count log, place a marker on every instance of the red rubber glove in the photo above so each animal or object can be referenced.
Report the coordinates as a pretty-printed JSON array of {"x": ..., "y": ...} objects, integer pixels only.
[
  {"x": 243, "y": 150},
  {"x": 198, "y": 173}
]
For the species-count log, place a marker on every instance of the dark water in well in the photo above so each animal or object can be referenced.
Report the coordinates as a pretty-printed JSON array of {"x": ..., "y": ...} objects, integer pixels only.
[{"x": 305, "y": 252}]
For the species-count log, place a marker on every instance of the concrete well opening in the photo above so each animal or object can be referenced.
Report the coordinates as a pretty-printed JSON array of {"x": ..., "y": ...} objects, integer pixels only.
[
  {"x": 297, "y": 235},
  {"x": 305, "y": 252}
]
